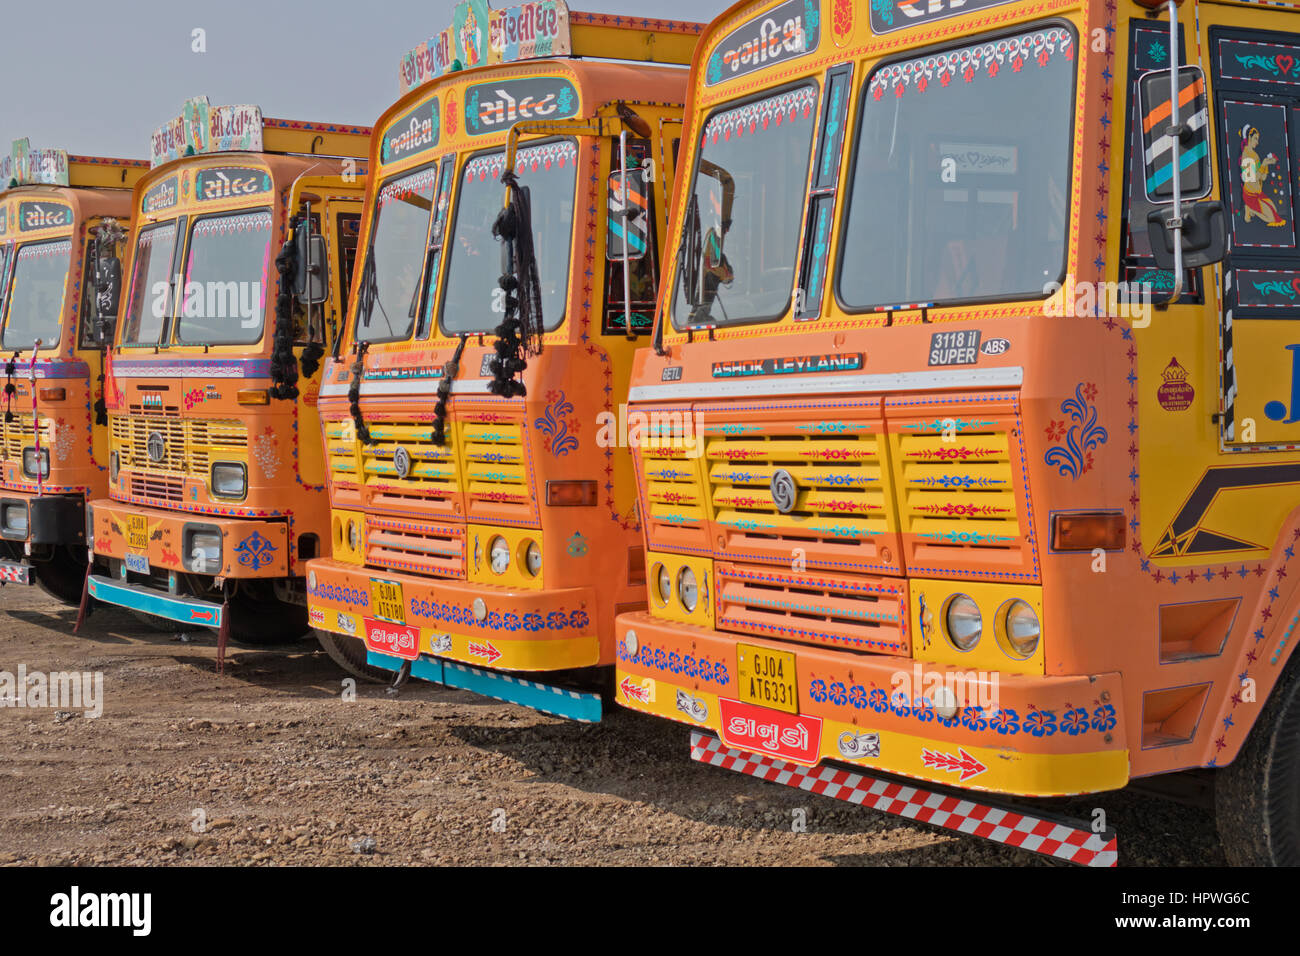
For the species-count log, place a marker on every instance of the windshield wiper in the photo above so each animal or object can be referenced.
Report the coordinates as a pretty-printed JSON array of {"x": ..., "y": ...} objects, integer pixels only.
[{"x": 368, "y": 295}]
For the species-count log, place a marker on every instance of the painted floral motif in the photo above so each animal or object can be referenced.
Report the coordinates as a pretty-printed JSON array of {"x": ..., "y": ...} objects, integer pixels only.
[
  {"x": 753, "y": 117},
  {"x": 255, "y": 551},
  {"x": 655, "y": 658},
  {"x": 555, "y": 426},
  {"x": 842, "y": 19},
  {"x": 1074, "y": 457},
  {"x": 266, "y": 452}
]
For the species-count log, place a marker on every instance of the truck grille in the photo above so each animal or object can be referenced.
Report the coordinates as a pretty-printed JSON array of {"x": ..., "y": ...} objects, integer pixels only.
[
  {"x": 19, "y": 434},
  {"x": 861, "y": 614},
  {"x": 188, "y": 447},
  {"x": 418, "y": 546}
]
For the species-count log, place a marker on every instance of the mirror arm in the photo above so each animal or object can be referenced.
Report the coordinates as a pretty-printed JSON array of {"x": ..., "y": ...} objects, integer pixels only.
[{"x": 1175, "y": 221}]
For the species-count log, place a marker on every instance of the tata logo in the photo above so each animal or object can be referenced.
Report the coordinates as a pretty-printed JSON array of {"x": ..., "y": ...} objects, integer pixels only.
[
  {"x": 151, "y": 400},
  {"x": 155, "y": 447}
]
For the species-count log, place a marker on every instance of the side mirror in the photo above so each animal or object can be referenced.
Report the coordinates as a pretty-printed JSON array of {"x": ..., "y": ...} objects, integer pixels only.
[
  {"x": 1205, "y": 235},
  {"x": 628, "y": 216},
  {"x": 311, "y": 281},
  {"x": 108, "y": 290},
  {"x": 1192, "y": 137}
]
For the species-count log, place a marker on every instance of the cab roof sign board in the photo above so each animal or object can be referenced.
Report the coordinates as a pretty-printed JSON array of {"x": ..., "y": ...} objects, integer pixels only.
[
  {"x": 25, "y": 166},
  {"x": 479, "y": 36},
  {"x": 203, "y": 128}
]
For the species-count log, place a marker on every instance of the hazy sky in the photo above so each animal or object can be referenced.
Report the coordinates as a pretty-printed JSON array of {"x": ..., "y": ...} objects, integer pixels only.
[{"x": 94, "y": 77}]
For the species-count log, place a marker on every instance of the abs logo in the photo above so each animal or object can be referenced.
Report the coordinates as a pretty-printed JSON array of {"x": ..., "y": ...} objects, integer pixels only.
[{"x": 995, "y": 347}]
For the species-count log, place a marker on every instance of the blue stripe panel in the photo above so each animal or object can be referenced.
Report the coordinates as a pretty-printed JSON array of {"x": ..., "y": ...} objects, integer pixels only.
[
  {"x": 182, "y": 610},
  {"x": 549, "y": 700},
  {"x": 1185, "y": 159},
  {"x": 425, "y": 668}
]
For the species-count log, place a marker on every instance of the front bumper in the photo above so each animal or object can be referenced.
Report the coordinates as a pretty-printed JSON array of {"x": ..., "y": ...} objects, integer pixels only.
[
  {"x": 183, "y": 610},
  {"x": 523, "y": 630},
  {"x": 50, "y": 519},
  {"x": 1043, "y": 736},
  {"x": 250, "y": 547}
]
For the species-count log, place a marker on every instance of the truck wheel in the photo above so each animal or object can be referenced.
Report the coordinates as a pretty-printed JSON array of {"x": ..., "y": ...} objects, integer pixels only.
[
  {"x": 1257, "y": 796},
  {"x": 63, "y": 576},
  {"x": 259, "y": 619},
  {"x": 350, "y": 654}
]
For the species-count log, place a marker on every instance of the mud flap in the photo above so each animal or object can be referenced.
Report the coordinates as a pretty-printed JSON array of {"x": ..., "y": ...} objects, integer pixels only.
[{"x": 1038, "y": 832}]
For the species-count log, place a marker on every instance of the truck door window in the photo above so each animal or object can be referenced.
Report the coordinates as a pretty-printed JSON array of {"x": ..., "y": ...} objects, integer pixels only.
[
  {"x": 35, "y": 302},
  {"x": 956, "y": 195},
  {"x": 643, "y": 265},
  {"x": 149, "y": 303},
  {"x": 225, "y": 278}
]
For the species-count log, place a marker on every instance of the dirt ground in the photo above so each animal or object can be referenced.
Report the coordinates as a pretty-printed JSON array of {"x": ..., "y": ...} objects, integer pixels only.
[{"x": 274, "y": 767}]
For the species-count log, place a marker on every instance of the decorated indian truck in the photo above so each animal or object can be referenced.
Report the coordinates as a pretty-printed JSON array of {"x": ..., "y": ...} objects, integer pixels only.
[
  {"x": 60, "y": 215},
  {"x": 483, "y": 523},
  {"x": 992, "y": 343},
  {"x": 235, "y": 282}
]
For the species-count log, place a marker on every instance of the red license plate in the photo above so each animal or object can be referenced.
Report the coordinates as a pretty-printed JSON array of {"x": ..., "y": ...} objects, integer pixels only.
[
  {"x": 792, "y": 737},
  {"x": 397, "y": 640}
]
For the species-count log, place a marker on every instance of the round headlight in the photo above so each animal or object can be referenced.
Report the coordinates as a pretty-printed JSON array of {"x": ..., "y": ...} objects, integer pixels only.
[
  {"x": 663, "y": 583},
  {"x": 533, "y": 559},
  {"x": 499, "y": 555},
  {"x": 963, "y": 622},
  {"x": 687, "y": 590},
  {"x": 354, "y": 536},
  {"x": 1020, "y": 630}
]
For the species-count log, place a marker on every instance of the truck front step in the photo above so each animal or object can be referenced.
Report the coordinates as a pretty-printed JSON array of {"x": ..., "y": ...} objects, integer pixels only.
[
  {"x": 184, "y": 610},
  {"x": 556, "y": 701},
  {"x": 1057, "y": 837}
]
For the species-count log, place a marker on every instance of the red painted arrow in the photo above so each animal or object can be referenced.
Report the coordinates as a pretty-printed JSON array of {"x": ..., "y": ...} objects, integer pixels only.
[
  {"x": 484, "y": 649},
  {"x": 968, "y": 765},
  {"x": 634, "y": 691}
]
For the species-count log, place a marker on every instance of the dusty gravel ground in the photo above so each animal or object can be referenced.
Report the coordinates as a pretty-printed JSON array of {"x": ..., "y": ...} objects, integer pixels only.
[{"x": 278, "y": 769}]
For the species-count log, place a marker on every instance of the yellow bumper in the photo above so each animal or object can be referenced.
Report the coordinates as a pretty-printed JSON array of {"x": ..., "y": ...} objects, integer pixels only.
[
  {"x": 523, "y": 630},
  {"x": 1044, "y": 736}
]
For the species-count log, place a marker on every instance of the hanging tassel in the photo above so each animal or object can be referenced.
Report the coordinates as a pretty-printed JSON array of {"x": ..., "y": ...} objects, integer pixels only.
[
  {"x": 520, "y": 332},
  {"x": 449, "y": 373},
  {"x": 223, "y": 634},
  {"x": 354, "y": 393},
  {"x": 87, "y": 602},
  {"x": 284, "y": 366}
]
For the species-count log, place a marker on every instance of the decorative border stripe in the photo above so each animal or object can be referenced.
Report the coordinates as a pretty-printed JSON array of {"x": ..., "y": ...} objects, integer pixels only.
[
  {"x": 1007, "y": 377},
  {"x": 209, "y": 368},
  {"x": 1061, "y": 839}
]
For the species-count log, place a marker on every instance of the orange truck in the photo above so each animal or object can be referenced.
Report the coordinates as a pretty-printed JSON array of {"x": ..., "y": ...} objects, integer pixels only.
[
  {"x": 60, "y": 215},
  {"x": 998, "y": 490},
  {"x": 484, "y": 520},
  {"x": 216, "y": 495}
]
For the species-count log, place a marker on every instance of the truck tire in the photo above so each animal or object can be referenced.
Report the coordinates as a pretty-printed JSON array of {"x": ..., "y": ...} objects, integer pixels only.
[
  {"x": 1257, "y": 796},
  {"x": 350, "y": 654},
  {"x": 63, "y": 576}
]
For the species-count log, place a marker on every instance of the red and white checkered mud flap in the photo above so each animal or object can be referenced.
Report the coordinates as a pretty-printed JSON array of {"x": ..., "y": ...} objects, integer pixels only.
[
  {"x": 1058, "y": 837},
  {"x": 15, "y": 572}
]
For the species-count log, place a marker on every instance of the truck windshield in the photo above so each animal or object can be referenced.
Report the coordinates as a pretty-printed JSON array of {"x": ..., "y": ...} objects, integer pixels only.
[
  {"x": 36, "y": 294},
  {"x": 225, "y": 279},
  {"x": 150, "y": 300},
  {"x": 390, "y": 283},
  {"x": 549, "y": 170},
  {"x": 741, "y": 235},
  {"x": 961, "y": 182}
]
